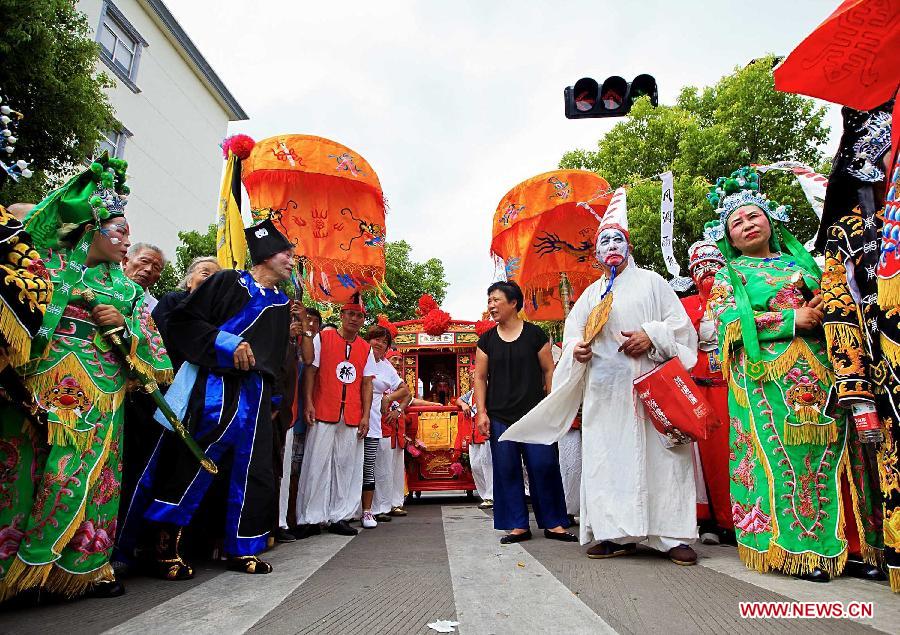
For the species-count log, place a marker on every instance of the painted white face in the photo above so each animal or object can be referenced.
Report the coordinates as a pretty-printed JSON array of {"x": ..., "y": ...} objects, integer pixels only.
[{"x": 612, "y": 247}]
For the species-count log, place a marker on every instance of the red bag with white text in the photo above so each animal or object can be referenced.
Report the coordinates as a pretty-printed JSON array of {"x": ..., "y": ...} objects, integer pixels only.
[{"x": 674, "y": 404}]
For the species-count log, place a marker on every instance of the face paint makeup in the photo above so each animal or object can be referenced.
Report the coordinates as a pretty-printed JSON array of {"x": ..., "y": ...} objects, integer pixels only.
[{"x": 612, "y": 247}]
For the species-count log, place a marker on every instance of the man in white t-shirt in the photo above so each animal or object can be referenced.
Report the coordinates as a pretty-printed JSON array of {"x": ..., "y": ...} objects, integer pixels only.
[{"x": 337, "y": 389}]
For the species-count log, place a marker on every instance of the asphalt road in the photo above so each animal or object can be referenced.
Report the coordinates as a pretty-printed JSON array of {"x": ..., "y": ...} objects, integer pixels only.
[{"x": 444, "y": 562}]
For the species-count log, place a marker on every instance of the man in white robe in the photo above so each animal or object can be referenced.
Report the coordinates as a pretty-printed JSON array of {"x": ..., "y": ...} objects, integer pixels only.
[{"x": 633, "y": 488}]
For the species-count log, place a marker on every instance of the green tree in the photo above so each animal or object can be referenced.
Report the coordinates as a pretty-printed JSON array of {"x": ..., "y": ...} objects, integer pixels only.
[
  {"x": 707, "y": 133},
  {"x": 409, "y": 280},
  {"x": 48, "y": 74},
  {"x": 193, "y": 245}
]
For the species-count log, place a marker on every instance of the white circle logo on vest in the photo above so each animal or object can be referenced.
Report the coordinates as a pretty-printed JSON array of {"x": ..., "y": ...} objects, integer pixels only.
[{"x": 346, "y": 372}]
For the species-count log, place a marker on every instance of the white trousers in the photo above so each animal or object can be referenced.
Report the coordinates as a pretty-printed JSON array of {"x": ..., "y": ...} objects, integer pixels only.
[
  {"x": 331, "y": 476},
  {"x": 284, "y": 492},
  {"x": 570, "y": 469},
  {"x": 482, "y": 469},
  {"x": 389, "y": 478}
]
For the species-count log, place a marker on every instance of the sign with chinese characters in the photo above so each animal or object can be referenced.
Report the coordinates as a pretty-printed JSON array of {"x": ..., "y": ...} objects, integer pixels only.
[{"x": 424, "y": 339}]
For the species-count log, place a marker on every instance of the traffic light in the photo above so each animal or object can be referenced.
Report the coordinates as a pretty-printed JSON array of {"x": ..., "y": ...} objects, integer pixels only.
[{"x": 614, "y": 98}]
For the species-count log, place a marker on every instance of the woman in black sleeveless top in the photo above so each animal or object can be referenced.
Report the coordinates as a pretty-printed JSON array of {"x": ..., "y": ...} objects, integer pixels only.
[{"x": 513, "y": 370}]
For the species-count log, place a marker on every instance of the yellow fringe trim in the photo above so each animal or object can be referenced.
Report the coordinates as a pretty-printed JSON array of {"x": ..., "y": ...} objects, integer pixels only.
[
  {"x": 17, "y": 338},
  {"x": 894, "y": 577},
  {"x": 739, "y": 393},
  {"x": 62, "y": 435},
  {"x": 753, "y": 559},
  {"x": 871, "y": 555},
  {"x": 888, "y": 292},
  {"x": 779, "y": 367},
  {"x": 104, "y": 402},
  {"x": 891, "y": 349},
  {"x": 846, "y": 335},
  {"x": 161, "y": 376},
  {"x": 801, "y": 563},
  {"x": 810, "y": 433},
  {"x": 22, "y": 577},
  {"x": 732, "y": 335}
]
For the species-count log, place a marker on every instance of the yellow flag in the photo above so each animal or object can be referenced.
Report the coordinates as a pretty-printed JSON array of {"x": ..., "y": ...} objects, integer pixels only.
[{"x": 231, "y": 244}]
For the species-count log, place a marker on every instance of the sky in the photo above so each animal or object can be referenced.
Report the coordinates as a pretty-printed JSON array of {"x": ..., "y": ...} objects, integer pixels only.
[{"x": 455, "y": 102}]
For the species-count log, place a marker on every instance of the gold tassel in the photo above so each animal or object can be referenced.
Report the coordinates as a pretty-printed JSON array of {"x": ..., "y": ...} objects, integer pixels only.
[
  {"x": 105, "y": 402},
  {"x": 845, "y": 335},
  {"x": 740, "y": 395},
  {"x": 802, "y": 563},
  {"x": 810, "y": 433},
  {"x": 60, "y": 434},
  {"x": 894, "y": 577},
  {"x": 888, "y": 292},
  {"x": 891, "y": 349},
  {"x": 161, "y": 376},
  {"x": 598, "y": 317},
  {"x": 17, "y": 338},
  {"x": 732, "y": 335},
  {"x": 779, "y": 367},
  {"x": 753, "y": 559},
  {"x": 74, "y": 584},
  {"x": 21, "y": 576}
]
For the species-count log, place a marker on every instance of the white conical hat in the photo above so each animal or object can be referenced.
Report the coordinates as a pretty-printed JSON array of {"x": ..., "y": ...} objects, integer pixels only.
[{"x": 616, "y": 213}]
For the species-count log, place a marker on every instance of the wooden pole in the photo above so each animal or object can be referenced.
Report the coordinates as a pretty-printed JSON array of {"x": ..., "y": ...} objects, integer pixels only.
[{"x": 564, "y": 293}]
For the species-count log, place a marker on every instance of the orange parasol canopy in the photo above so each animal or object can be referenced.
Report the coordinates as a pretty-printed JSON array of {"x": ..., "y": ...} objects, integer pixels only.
[
  {"x": 544, "y": 227},
  {"x": 328, "y": 201}
]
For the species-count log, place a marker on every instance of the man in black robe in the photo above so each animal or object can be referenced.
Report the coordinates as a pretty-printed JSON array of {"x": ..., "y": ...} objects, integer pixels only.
[{"x": 233, "y": 332}]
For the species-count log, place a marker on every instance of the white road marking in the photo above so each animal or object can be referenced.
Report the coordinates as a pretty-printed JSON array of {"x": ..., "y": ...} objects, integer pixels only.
[
  {"x": 233, "y": 602},
  {"x": 504, "y": 589}
]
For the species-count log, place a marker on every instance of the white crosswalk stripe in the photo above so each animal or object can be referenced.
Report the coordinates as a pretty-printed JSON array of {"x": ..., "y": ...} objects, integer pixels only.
[
  {"x": 234, "y": 602},
  {"x": 496, "y": 587}
]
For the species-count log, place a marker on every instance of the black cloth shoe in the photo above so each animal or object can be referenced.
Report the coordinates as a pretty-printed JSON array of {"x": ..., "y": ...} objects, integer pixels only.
[
  {"x": 383, "y": 518},
  {"x": 106, "y": 589},
  {"x": 564, "y": 536},
  {"x": 342, "y": 528},
  {"x": 249, "y": 564},
  {"x": 816, "y": 575},
  {"x": 610, "y": 549},
  {"x": 510, "y": 539},
  {"x": 863, "y": 570},
  {"x": 283, "y": 535}
]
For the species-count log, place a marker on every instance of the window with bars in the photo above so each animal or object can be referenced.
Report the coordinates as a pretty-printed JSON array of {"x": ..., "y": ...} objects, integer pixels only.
[
  {"x": 120, "y": 44},
  {"x": 113, "y": 142}
]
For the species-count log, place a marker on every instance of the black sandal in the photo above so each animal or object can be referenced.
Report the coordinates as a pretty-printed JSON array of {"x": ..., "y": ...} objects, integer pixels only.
[
  {"x": 168, "y": 564},
  {"x": 249, "y": 564}
]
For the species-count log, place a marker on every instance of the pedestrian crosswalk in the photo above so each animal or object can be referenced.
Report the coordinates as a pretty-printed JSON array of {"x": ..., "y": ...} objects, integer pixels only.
[{"x": 444, "y": 562}]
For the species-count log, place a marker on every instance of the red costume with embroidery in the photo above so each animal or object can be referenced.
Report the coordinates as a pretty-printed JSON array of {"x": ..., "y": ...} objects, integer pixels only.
[{"x": 337, "y": 391}]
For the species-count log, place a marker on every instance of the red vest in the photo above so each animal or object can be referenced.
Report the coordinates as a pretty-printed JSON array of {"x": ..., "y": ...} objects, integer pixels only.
[{"x": 338, "y": 387}]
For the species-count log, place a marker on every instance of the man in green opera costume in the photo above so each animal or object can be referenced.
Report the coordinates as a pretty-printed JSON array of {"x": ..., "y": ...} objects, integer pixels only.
[
  {"x": 59, "y": 498},
  {"x": 789, "y": 453}
]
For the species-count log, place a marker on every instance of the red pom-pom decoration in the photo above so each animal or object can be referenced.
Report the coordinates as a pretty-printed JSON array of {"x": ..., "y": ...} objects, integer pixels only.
[
  {"x": 383, "y": 321},
  {"x": 436, "y": 322},
  {"x": 456, "y": 470},
  {"x": 426, "y": 305},
  {"x": 483, "y": 326},
  {"x": 240, "y": 146}
]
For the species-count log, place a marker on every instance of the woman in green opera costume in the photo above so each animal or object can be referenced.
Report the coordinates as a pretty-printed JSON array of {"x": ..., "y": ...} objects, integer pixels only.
[
  {"x": 788, "y": 456},
  {"x": 59, "y": 499}
]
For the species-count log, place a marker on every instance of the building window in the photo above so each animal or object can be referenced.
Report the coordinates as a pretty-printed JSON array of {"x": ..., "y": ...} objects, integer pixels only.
[
  {"x": 113, "y": 142},
  {"x": 120, "y": 44}
]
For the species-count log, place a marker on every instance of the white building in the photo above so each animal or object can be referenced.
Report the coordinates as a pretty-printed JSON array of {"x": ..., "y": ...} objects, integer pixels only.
[{"x": 174, "y": 111}]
